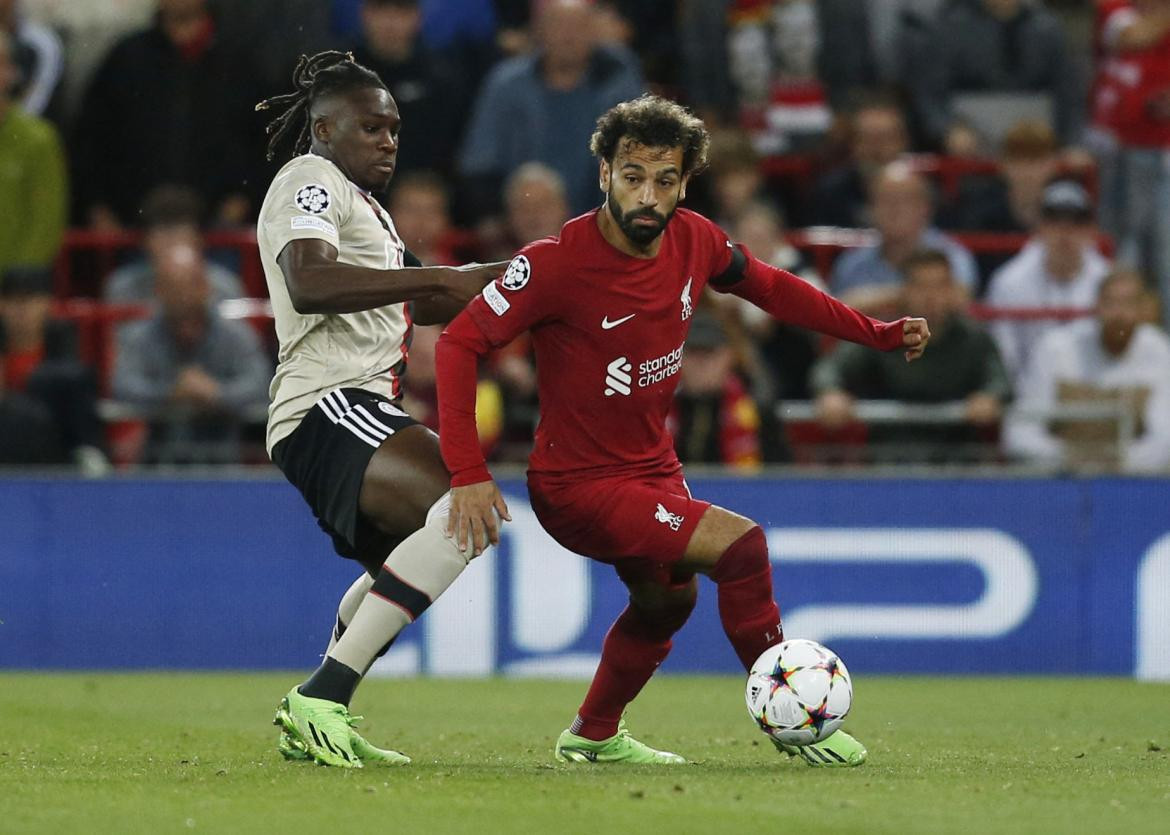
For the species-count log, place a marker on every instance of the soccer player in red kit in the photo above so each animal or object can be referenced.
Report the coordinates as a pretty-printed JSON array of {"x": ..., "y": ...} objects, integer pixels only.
[{"x": 609, "y": 304}]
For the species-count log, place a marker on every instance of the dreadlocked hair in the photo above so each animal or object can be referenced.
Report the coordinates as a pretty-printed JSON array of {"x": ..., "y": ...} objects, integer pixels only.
[{"x": 315, "y": 77}]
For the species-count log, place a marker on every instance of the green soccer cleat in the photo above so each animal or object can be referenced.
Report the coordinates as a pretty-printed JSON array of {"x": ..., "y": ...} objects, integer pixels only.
[
  {"x": 290, "y": 749},
  {"x": 619, "y": 748},
  {"x": 839, "y": 750},
  {"x": 370, "y": 753},
  {"x": 318, "y": 727}
]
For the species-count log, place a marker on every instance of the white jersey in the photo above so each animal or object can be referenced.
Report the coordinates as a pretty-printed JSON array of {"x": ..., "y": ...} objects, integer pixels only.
[{"x": 311, "y": 198}]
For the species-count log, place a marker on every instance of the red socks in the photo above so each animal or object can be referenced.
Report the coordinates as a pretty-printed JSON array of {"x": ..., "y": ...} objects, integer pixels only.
[
  {"x": 747, "y": 608},
  {"x": 639, "y": 641},
  {"x": 633, "y": 649}
]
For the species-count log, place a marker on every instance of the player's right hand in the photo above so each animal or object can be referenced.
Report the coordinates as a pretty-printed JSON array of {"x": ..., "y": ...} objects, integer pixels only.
[
  {"x": 466, "y": 282},
  {"x": 473, "y": 516}
]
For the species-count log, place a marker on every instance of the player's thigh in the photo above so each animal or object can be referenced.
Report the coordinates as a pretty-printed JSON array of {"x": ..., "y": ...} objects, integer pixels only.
[
  {"x": 405, "y": 476},
  {"x": 717, "y": 530}
]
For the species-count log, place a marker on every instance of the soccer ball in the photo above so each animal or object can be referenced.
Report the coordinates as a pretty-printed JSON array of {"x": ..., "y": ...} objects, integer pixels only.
[{"x": 799, "y": 692}]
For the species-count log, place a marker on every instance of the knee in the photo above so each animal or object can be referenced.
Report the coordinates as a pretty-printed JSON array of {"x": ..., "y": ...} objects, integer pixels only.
[
  {"x": 744, "y": 558},
  {"x": 666, "y": 610}
]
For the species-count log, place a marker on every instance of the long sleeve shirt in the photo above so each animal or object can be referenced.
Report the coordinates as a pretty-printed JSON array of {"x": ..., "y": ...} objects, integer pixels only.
[{"x": 1074, "y": 355}]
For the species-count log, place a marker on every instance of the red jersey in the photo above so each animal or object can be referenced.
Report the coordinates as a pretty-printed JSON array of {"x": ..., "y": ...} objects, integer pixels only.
[
  {"x": 1127, "y": 83},
  {"x": 608, "y": 332}
]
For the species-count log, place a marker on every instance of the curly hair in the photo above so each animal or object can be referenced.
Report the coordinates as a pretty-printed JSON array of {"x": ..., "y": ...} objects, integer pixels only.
[
  {"x": 315, "y": 77},
  {"x": 654, "y": 122}
]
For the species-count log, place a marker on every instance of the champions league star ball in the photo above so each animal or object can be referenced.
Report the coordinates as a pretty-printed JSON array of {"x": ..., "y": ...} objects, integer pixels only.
[{"x": 799, "y": 692}]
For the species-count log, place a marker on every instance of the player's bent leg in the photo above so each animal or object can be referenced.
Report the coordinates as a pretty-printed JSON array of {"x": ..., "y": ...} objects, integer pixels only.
[
  {"x": 633, "y": 649},
  {"x": 733, "y": 551}
]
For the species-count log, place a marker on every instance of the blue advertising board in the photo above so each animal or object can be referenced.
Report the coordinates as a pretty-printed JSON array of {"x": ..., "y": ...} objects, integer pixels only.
[{"x": 946, "y": 576}]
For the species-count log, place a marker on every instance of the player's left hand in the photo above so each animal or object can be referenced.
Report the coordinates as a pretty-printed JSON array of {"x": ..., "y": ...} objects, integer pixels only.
[
  {"x": 915, "y": 335},
  {"x": 472, "y": 518}
]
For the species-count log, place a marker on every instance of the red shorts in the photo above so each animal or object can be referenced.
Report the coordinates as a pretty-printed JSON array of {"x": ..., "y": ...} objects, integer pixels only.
[{"x": 640, "y": 524}]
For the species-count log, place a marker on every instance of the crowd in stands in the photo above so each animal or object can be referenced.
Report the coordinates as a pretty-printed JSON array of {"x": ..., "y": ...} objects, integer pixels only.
[{"x": 998, "y": 166}]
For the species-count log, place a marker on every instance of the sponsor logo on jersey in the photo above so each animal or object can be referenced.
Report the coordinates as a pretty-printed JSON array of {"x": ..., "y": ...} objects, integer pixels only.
[
  {"x": 517, "y": 274},
  {"x": 313, "y": 198},
  {"x": 617, "y": 377},
  {"x": 607, "y": 325},
  {"x": 667, "y": 518},
  {"x": 319, "y": 224},
  {"x": 495, "y": 299},
  {"x": 687, "y": 306}
]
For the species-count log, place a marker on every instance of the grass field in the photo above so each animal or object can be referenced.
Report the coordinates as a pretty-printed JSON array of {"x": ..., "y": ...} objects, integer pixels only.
[{"x": 101, "y": 753}]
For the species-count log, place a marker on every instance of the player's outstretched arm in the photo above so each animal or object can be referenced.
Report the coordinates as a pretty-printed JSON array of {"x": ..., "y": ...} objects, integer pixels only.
[
  {"x": 791, "y": 300},
  {"x": 475, "y": 498},
  {"x": 319, "y": 283}
]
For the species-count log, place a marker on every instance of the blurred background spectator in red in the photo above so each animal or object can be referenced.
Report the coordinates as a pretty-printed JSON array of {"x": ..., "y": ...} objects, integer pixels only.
[
  {"x": 870, "y": 277},
  {"x": 877, "y": 137},
  {"x": 170, "y": 222},
  {"x": 32, "y": 176},
  {"x": 419, "y": 208},
  {"x": 962, "y": 365},
  {"x": 1112, "y": 358},
  {"x": 1131, "y": 122},
  {"x": 1059, "y": 268},
  {"x": 989, "y": 63},
  {"x": 40, "y": 58},
  {"x": 191, "y": 372},
  {"x": 713, "y": 419},
  {"x": 544, "y": 106},
  {"x": 170, "y": 104},
  {"x": 39, "y": 358}
]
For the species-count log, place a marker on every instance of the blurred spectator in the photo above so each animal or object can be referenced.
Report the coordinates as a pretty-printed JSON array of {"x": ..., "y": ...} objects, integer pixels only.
[
  {"x": 1131, "y": 115},
  {"x": 429, "y": 94},
  {"x": 191, "y": 372},
  {"x": 39, "y": 56},
  {"x": 713, "y": 419},
  {"x": 877, "y": 137},
  {"x": 703, "y": 51},
  {"x": 535, "y": 207},
  {"x": 421, "y": 398},
  {"x": 962, "y": 364},
  {"x": 544, "y": 106},
  {"x": 899, "y": 28},
  {"x": 786, "y": 352},
  {"x": 418, "y": 206},
  {"x": 32, "y": 178},
  {"x": 536, "y": 203},
  {"x": 734, "y": 178},
  {"x": 900, "y": 204},
  {"x": 171, "y": 104},
  {"x": 1111, "y": 358},
  {"x": 1059, "y": 267},
  {"x": 170, "y": 219},
  {"x": 28, "y": 435},
  {"x": 39, "y": 358},
  {"x": 1010, "y": 202},
  {"x": 997, "y": 60}
]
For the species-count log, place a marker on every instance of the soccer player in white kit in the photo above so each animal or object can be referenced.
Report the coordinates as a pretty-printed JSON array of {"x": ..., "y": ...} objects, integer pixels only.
[{"x": 344, "y": 293}]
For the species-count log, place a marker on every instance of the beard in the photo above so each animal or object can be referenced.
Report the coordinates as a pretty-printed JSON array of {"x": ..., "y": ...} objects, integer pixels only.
[{"x": 639, "y": 234}]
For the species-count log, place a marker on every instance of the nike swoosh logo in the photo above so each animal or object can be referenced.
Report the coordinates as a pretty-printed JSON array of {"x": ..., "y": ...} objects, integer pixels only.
[{"x": 606, "y": 324}]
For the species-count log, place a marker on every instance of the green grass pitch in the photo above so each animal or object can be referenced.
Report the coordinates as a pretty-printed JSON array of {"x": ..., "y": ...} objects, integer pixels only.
[{"x": 100, "y": 753}]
